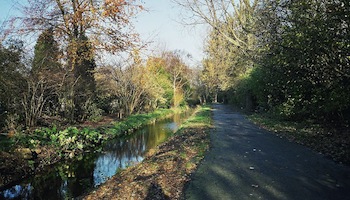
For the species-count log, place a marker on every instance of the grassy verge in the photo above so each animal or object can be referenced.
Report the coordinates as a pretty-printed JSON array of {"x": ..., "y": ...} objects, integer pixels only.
[
  {"x": 166, "y": 169},
  {"x": 333, "y": 142},
  {"x": 134, "y": 122}
]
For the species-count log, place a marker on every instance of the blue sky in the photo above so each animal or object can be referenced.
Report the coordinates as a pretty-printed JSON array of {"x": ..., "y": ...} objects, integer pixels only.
[
  {"x": 159, "y": 24},
  {"x": 6, "y": 9}
]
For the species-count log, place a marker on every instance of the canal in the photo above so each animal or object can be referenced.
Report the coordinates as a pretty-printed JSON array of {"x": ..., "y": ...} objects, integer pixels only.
[{"x": 71, "y": 179}]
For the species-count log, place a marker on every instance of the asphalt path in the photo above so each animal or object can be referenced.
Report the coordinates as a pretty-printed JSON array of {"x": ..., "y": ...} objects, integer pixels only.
[{"x": 247, "y": 162}]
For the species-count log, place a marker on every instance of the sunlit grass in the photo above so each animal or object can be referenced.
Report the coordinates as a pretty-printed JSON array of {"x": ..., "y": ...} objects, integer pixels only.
[{"x": 201, "y": 118}]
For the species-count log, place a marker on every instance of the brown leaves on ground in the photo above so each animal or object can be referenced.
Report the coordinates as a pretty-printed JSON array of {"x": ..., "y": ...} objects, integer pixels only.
[
  {"x": 334, "y": 144},
  {"x": 162, "y": 174},
  {"x": 331, "y": 140}
]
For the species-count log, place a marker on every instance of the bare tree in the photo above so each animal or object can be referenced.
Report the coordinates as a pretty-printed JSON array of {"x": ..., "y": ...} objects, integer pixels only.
[
  {"x": 105, "y": 22},
  {"x": 126, "y": 85},
  {"x": 226, "y": 17},
  {"x": 33, "y": 101}
]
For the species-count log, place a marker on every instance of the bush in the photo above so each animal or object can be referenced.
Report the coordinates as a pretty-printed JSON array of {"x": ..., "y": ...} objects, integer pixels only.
[{"x": 91, "y": 111}]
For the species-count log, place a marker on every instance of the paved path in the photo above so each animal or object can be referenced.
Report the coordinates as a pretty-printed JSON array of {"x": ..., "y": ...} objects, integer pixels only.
[{"x": 246, "y": 162}]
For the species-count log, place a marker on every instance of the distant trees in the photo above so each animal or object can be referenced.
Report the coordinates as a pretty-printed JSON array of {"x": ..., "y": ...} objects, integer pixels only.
[
  {"x": 179, "y": 72},
  {"x": 231, "y": 45},
  {"x": 161, "y": 82}
]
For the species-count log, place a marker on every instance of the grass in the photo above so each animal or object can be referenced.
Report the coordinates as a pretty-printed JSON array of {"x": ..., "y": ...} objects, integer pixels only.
[
  {"x": 202, "y": 118},
  {"x": 138, "y": 120},
  {"x": 134, "y": 122}
]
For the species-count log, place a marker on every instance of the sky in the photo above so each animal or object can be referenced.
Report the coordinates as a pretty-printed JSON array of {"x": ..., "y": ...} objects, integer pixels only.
[
  {"x": 158, "y": 25},
  {"x": 161, "y": 23}
]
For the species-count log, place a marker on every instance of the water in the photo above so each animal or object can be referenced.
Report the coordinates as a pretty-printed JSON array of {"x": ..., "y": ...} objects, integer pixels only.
[{"x": 72, "y": 179}]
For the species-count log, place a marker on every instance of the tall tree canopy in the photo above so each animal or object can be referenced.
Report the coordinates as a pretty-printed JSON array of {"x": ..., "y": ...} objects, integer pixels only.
[
  {"x": 46, "y": 53},
  {"x": 105, "y": 22},
  {"x": 304, "y": 69},
  {"x": 227, "y": 18}
]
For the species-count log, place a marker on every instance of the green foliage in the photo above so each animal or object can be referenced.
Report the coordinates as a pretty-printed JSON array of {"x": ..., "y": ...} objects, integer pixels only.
[
  {"x": 231, "y": 50},
  {"x": 91, "y": 111},
  {"x": 70, "y": 139},
  {"x": 73, "y": 140},
  {"x": 161, "y": 80},
  {"x": 170, "y": 77},
  {"x": 6, "y": 143},
  {"x": 302, "y": 71},
  {"x": 46, "y": 54},
  {"x": 11, "y": 83},
  {"x": 84, "y": 82}
]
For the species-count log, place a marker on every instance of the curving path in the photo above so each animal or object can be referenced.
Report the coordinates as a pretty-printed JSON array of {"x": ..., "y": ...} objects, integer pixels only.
[{"x": 246, "y": 162}]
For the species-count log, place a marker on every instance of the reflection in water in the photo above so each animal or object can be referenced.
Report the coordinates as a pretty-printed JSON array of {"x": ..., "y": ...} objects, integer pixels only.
[
  {"x": 71, "y": 179},
  {"x": 11, "y": 193}
]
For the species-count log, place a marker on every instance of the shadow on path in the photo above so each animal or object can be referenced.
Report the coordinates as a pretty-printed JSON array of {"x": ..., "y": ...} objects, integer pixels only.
[{"x": 246, "y": 162}]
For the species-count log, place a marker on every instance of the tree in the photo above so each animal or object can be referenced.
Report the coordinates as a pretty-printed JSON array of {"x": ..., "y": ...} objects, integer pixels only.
[
  {"x": 159, "y": 80},
  {"x": 225, "y": 17},
  {"x": 34, "y": 100},
  {"x": 84, "y": 28},
  {"x": 11, "y": 83},
  {"x": 231, "y": 48},
  {"x": 47, "y": 68},
  {"x": 126, "y": 86},
  {"x": 304, "y": 69},
  {"x": 43, "y": 82},
  {"x": 83, "y": 74},
  {"x": 210, "y": 78},
  {"x": 46, "y": 54},
  {"x": 105, "y": 23},
  {"x": 178, "y": 71}
]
